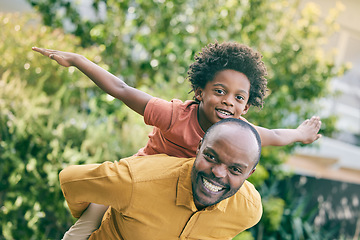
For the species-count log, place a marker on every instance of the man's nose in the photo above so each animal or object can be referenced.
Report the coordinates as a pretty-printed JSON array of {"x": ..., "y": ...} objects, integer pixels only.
[{"x": 219, "y": 170}]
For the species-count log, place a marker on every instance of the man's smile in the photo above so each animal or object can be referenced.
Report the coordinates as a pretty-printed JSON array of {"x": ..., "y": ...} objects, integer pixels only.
[{"x": 211, "y": 187}]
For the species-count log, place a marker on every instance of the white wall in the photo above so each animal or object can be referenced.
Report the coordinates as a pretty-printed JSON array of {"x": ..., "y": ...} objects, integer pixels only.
[
  {"x": 347, "y": 41},
  {"x": 14, "y": 6}
]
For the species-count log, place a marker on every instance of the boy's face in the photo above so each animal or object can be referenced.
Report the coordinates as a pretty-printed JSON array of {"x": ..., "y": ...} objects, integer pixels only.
[{"x": 226, "y": 96}]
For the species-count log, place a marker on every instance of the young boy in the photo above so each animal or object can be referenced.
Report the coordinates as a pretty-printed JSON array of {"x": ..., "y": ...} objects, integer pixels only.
[{"x": 226, "y": 78}]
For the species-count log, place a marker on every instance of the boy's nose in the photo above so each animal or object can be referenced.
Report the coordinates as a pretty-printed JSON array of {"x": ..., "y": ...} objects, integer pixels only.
[{"x": 227, "y": 100}]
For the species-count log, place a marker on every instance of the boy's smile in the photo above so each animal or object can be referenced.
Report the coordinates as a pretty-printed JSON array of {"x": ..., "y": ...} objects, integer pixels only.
[{"x": 224, "y": 97}]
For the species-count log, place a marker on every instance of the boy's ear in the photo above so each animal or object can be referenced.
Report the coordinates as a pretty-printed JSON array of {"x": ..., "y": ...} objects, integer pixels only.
[
  {"x": 246, "y": 109},
  {"x": 198, "y": 94}
]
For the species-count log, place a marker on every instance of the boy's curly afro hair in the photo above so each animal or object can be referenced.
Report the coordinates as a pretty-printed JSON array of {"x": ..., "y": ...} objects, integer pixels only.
[{"x": 216, "y": 57}]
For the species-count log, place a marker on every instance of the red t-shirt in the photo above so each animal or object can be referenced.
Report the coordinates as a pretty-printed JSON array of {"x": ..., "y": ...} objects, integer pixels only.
[{"x": 176, "y": 128}]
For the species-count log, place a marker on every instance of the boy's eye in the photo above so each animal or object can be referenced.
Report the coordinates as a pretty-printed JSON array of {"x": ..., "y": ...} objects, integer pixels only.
[
  {"x": 239, "y": 97},
  {"x": 219, "y": 91}
]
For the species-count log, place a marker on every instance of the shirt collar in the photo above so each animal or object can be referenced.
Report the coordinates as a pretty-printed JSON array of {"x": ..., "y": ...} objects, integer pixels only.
[{"x": 184, "y": 196}]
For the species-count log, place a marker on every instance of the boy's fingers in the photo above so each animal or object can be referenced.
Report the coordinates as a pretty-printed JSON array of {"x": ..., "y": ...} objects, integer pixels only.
[
  {"x": 43, "y": 51},
  {"x": 53, "y": 54},
  {"x": 55, "y": 57},
  {"x": 38, "y": 49},
  {"x": 318, "y": 125}
]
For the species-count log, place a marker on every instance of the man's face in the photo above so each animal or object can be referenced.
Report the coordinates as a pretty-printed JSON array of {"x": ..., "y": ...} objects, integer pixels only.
[{"x": 225, "y": 159}]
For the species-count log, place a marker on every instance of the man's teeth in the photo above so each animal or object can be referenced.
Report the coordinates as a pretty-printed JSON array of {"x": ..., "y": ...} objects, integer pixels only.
[
  {"x": 211, "y": 186},
  {"x": 224, "y": 112}
]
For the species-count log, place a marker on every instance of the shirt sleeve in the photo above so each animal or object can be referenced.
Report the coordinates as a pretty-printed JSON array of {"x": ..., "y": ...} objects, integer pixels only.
[
  {"x": 107, "y": 184},
  {"x": 158, "y": 113},
  {"x": 252, "y": 205}
]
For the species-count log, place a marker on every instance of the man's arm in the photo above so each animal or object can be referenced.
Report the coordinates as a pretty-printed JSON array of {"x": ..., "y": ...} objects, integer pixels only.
[
  {"x": 307, "y": 132},
  {"x": 107, "y": 184},
  {"x": 133, "y": 98}
]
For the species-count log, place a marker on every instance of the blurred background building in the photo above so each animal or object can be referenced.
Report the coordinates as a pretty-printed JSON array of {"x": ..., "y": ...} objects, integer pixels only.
[
  {"x": 338, "y": 157},
  {"x": 330, "y": 173}
]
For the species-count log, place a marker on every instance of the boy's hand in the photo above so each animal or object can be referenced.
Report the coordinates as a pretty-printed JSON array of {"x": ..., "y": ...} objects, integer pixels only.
[
  {"x": 65, "y": 59},
  {"x": 309, "y": 130}
]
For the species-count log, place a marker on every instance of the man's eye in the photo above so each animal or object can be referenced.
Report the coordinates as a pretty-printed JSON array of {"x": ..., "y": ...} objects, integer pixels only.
[
  {"x": 209, "y": 157},
  {"x": 235, "y": 170}
]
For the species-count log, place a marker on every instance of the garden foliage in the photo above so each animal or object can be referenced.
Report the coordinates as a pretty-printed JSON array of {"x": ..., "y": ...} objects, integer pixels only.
[{"x": 51, "y": 116}]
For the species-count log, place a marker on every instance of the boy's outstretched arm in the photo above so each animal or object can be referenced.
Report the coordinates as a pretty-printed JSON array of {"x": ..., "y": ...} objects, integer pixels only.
[
  {"x": 307, "y": 132},
  {"x": 133, "y": 98}
]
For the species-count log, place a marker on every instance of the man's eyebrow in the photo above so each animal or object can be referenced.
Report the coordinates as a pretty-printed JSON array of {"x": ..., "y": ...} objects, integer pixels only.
[
  {"x": 239, "y": 165},
  {"x": 212, "y": 151}
]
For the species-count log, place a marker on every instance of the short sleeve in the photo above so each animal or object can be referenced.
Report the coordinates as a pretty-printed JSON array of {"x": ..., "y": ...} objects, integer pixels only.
[
  {"x": 252, "y": 205},
  {"x": 107, "y": 184},
  {"x": 158, "y": 113}
]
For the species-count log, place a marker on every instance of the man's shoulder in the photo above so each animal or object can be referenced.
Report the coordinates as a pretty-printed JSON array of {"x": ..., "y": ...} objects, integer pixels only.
[
  {"x": 250, "y": 194},
  {"x": 247, "y": 202},
  {"x": 156, "y": 167}
]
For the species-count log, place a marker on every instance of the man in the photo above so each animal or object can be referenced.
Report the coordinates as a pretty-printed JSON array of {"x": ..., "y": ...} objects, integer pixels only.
[{"x": 162, "y": 197}]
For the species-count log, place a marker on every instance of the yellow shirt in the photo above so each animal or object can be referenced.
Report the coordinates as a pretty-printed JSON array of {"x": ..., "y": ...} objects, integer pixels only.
[{"x": 151, "y": 198}]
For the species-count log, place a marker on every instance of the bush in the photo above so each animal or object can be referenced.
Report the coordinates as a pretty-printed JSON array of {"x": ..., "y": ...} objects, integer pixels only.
[{"x": 49, "y": 119}]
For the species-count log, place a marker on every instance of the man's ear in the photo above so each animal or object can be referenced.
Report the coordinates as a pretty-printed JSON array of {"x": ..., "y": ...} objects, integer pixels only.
[
  {"x": 199, "y": 146},
  {"x": 252, "y": 171},
  {"x": 198, "y": 94},
  {"x": 246, "y": 109}
]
